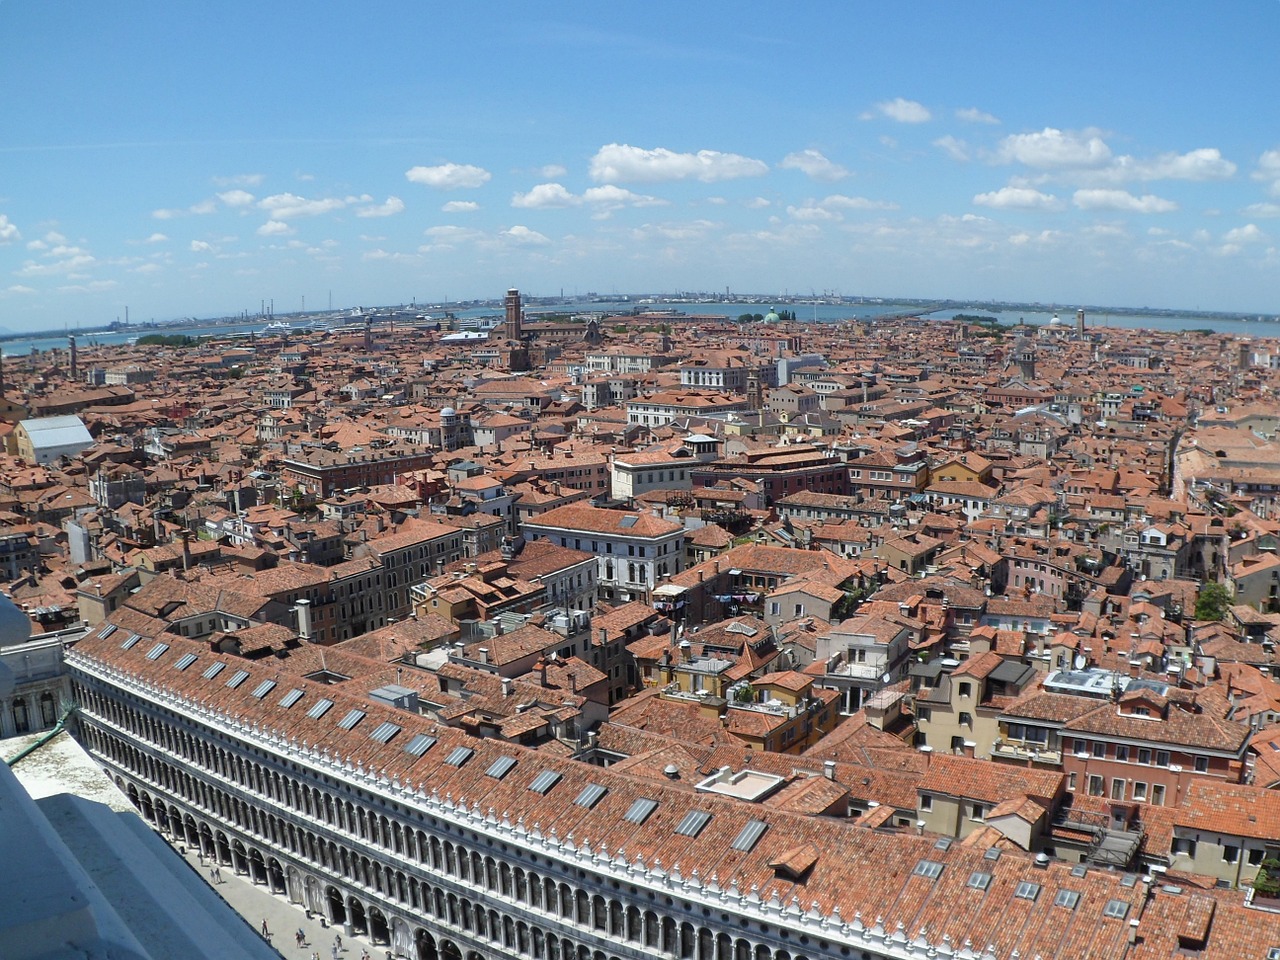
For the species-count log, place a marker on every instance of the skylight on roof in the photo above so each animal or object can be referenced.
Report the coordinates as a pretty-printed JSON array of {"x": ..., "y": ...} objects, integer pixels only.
[
  {"x": 156, "y": 652},
  {"x": 459, "y": 756},
  {"x": 1027, "y": 890},
  {"x": 500, "y": 767},
  {"x": 693, "y": 823},
  {"x": 591, "y": 794},
  {"x": 129, "y": 641},
  {"x": 979, "y": 880},
  {"x": 628, "y": 522},
  {"x": 237, "y": 678},
  {"x": 419, "y": 744},
  {"x": 319, "y": 709},
  {"x": 213, "y": 669},
  {"x": 639, "y": 811},
  {"x": 290, "y": 698},
  {"x": 262, "y": 689},
  {"x": 749, "y": 836},
  {"x": 108, "y": 630},
  {"x": 383, "y": 732},
  {"x": 544, "y": 781},
  {"x": 1066, "y": 899},
  {"x": 351, "y": 719},
  {"x": 931, "y": 869},
  {"x": 1116, "y": 909},
  {"x": 184, "y": 661}
]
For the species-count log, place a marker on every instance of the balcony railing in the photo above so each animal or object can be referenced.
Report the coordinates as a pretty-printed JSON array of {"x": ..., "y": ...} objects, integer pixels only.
[{"x": 1008, "y": 750}]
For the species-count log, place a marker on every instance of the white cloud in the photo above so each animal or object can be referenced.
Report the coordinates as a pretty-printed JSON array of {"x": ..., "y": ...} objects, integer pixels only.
[
  {"x": 200, "y": 246},
  {"x": 955, "y": 149},
  {"x": 1207, "y": 163},
  {"x": 758, "y": 203},
  {"x": 236, "y": 198},
  {"x": 815, "y": 165},
  {"x": 68, "y": 265},
  {"x": 460, "y": 206},
  {"x": 20, "y": 289},
  {"x": 274, "y": 228},
  {"x": 449, "y": 176},
  {"x": 620, "y": 162},
  {"x": 147, "y": 268},
  {"x": 447, "y": 236},
  {"x": 811, "y": 213},
  {"x": 8, "y": 231},
  {"x": 1051, "y": 148},
  {"x": 900, "y": 109},
  {"x": 203, "y": 208},
  {"x": 1262, "y": 210},
  {"x": 523, "y": 235},
  {"x": 545, "y": 196},
  {"x": 1249, "y": 233},
  {"x": 285, "y": 206},
  {"x": 389, "y": 208},
  {"x": 240, "y": 180},
  {"x": 842, "y": 202},
  {"x": 615, "y": 196},
  {"x": 157, "y": 238},
  {"x": 1268, "y": 166},
  {"x": 1122, "y": 200},
  {"x": 551, "y": 171},
  {"x": 1017, "y": 198},
  {"x": 974, "y": 115}
]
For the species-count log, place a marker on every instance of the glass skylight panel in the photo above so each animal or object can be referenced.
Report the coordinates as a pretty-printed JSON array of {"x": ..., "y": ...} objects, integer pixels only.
[
  {"x": 262, "y": 689},
  {"x": 591, "y": 794},
  {"x": 628, "y": 522},
  {"x": 693, "y": 823},
  {"x": 351, "y": 719},
  {"x": 237, "y": 678},
  {"x": 156, "y": 652},
  {"x": 290, "y": 698},
  {"x": 544, "y": 781},
  {"x": 184, "y": 661},
  {"x": 1079, "y": 870},
  {"x": 1116, "y": 909},
  {"x": 992, "y": 854},
  {"x": 639, "y": 811},
  {"x": 1128, "y": 880},
  {"x": 319, "y": 709},
  {"x": 979, "y": 880},
  {"x": 213, "y": 669},
  {"x": 419, "y": 744},
  {"x": 1027, "y": 890},
  {"x": 129, "y": 641},
  {"x": 931, "y": 869},
  {"x": 749, "y": 836},
  {"x": 383, "y": 732},
  {"x": 459, "y": 756},
  {"x": 1067, "y": 899},
  {"x": 942, "y": 843},
  {"x": 500, "y": 767},
  {"x": 108, "y": 630}
]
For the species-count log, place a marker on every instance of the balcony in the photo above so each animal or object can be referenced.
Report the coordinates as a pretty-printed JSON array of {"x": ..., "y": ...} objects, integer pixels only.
[{"x": 1025, "y": 752}]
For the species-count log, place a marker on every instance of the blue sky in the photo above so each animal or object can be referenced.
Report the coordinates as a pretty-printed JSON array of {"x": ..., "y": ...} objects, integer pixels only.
[{"x": 194, "y": 161}]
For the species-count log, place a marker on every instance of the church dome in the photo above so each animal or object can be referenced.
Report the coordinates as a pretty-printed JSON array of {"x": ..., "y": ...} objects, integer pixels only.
[
  {"x": 446, "y": 412},
  {"x": 772, "y": 317}
]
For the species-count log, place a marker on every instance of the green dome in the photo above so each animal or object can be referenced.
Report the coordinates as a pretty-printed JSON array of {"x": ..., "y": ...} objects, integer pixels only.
[{"x": 772, "y": 317}]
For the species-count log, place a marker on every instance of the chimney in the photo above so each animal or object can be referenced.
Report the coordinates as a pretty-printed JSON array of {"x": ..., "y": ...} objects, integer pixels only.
[
  {"x": 542, "y": 672},
  {"x": 604, "y": 637},
  {"x": 715, "y": 565},
  {"x": 507, "y": 685},
  {"x": 969, "y": 749},
  {"x": 573, "y": 682},
  {"x": 303, "y": 610},
  {"x": 829, "y": 769},
  {"x": 483, "y": 654}
]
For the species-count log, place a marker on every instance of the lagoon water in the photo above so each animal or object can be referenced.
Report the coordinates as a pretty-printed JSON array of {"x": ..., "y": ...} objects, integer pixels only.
[{"x": 820, "y": 313}]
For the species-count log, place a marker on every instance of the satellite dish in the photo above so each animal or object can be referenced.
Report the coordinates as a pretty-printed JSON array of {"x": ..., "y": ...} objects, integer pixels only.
[
  {"x": 1080, "y": 661},
  {"x": 885, "y": 678}
]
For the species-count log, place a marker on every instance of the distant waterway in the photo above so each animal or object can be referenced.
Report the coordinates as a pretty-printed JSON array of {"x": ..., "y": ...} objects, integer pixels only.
[{"x": 805, "y": 313}]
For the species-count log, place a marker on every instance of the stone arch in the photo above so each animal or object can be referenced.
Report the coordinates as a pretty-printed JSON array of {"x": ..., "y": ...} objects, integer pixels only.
[
  {"x": 379, "y": 929},
  {"x": 424, "y": 945},
  {"x": 337, "y": 910},
  {"x": 357, "y": 917}
]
